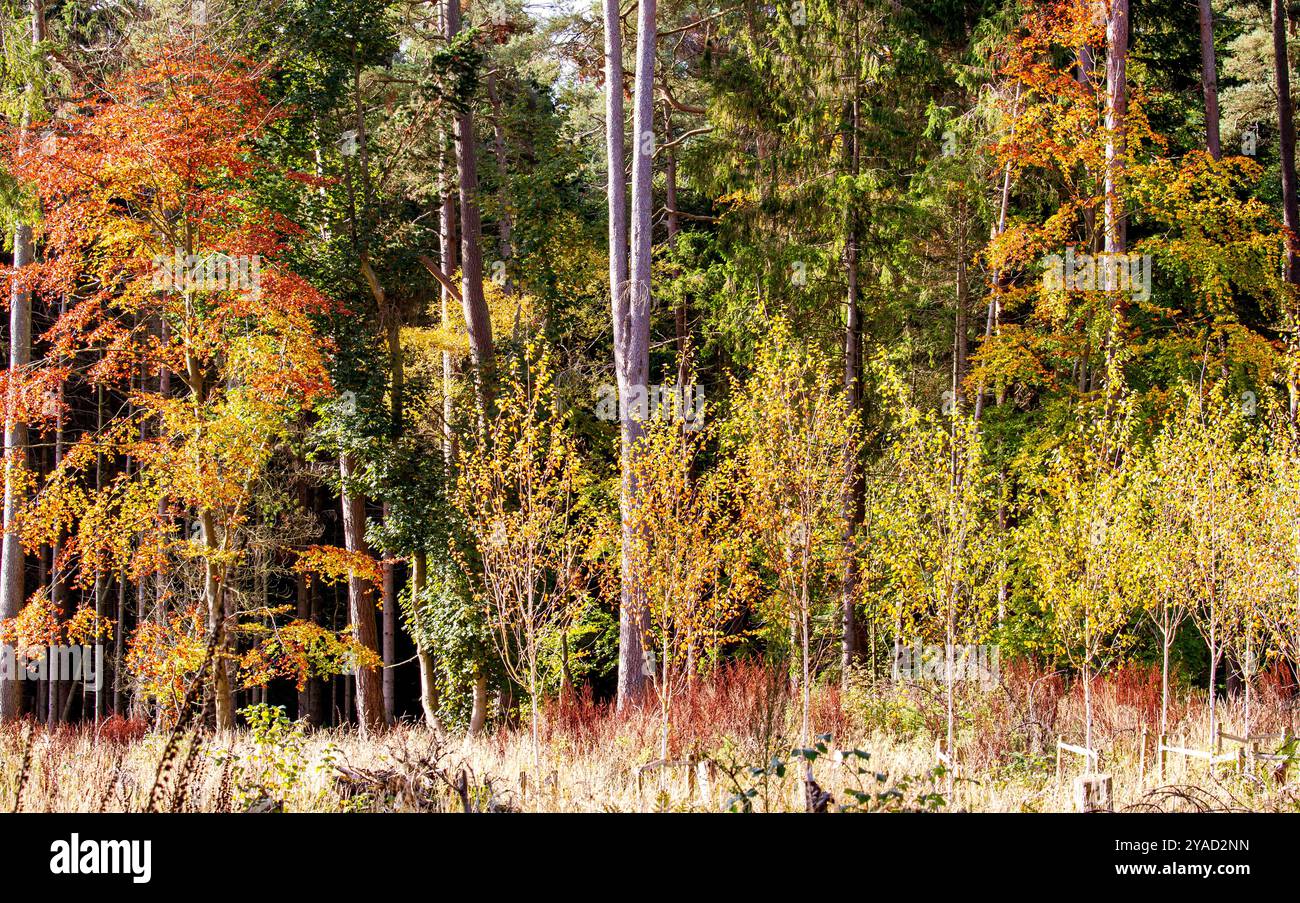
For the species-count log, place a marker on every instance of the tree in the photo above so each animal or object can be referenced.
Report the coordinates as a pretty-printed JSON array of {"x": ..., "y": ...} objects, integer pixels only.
[
  {"x": 521, "y": 493},
  {"x": 1073, "y": 539},
  {"x": 157, "y": 170},
  {"x": 1209, "y": 79},
  {"x": 677, "y": 554},
  {"x": 793, "y": 440},
  {"x": 934, "y": 522},
  {"x": 1286, "y": 141},
  {"x": 631, "y": 311}
]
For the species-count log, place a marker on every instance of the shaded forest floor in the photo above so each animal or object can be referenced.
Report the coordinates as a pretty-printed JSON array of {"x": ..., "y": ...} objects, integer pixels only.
[{"x": 729, "y": 749}]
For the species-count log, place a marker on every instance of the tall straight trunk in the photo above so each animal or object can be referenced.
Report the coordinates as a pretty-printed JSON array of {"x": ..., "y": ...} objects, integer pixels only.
[
  {"x": 477, "y": 321},
  {"x": 632, "y": 351},
  {"x": 450, "y": 260},
  {"x": 303, "y": 611},
  {"x": 505, "y": 221},
  {"x": 478, "y": 713},
  {"x": 855, "y": 497},
  {"x": 12, "y": 561},
  {"x": 119, "y": 650},
  {"x": 58, "y": 585},
  {"x": 361, "y": 606},
  {"x": 1286, "y": 150},
  {"x": 1117, "y": 29},
  {"x": 101, "y": 581},
  {"x": 673, "y": 222},
  {"x": 1209, "y": 81},
  {"x": 1115, "y": 226},
  {"x": 214, "y": 596}
]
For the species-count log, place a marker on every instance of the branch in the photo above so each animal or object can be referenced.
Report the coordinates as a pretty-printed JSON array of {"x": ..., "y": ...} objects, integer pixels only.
[
  {"x": 694, "y": 217},
  {"x": 697, "y": 23},
  {"x": 702, "y": 130},
  {"x": 677, "y": 104},
  {"x": 442, "y": 277}
]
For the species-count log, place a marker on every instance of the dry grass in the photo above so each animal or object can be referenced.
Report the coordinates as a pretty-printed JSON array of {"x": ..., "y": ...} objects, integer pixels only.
[{"x": 724, "y": 737}]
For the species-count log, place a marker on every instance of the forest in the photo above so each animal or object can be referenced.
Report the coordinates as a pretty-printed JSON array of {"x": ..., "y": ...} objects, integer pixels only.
[{"x": 649, "y": 405}]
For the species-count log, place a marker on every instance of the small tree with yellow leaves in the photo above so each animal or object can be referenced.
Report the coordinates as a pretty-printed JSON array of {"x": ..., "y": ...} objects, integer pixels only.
[
  {"x": 1073, "y": 539},
  {"x": 522, "y": 496},
  {"x": 933, "y": 515},
  {"x": 678, "y": 536},
  {"x": 794, "y": 441}
]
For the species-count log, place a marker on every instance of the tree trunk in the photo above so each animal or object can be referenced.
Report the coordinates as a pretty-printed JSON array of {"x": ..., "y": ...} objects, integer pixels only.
[
  {"x": 630, "y": 288},
  {"x": 361, "y": 603},
  {"x": 389, "y": 634},
  {"x": 1286, "y": 149},
  {"x": 428, "y": 665},
  {"x": 1117, "y": 29},
  {"x": 448, "y": 238},
  {"x": 478, "y": 715},
  {"x": 477, "y": 320},
  {"x": 855, "y": 498},
  {"x": 12, "y": 561},
  {"x": 1209, "y": 81},
  {"x": 214, "y": 595}
]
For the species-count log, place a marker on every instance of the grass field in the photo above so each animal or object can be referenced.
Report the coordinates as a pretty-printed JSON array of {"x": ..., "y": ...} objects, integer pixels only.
[{"x": 730, "y": 748}]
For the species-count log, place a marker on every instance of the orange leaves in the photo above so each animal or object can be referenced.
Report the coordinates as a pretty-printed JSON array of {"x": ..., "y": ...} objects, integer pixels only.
[
  {"x": 40, "y": 625},
  {"x": 37, "y": 625},
  {"x": 301, "y": 650},
  {"x": 335, "y": 565},
  {"x": 163, "y": 657},
  {"x": 157, "y": 244}
]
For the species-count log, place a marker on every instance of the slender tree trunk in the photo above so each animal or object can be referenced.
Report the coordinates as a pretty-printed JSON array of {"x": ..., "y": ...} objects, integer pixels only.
[
  {"x": 477, "y": 320},
  {"x": 478, "y": 714},
  {"x": 1117, "y": 30},
  {"x": 630, "y": 287},
  {"x": 303, "y": 612},
  {"x": 1166, "y": 642},
  {"x": 1286, "y": 148},
  {"x": 855, "y": 498},
  {"x": 1209, "y": 81},
  {"x": 450, "y": 260},
  {"x": 428, "y": 665},
  {"x": 361, "y": 606},
  {"x": 58, "y": 585},
  {"x": 12, "y": 560},
  {"x": 214, "y": 594},
  {"x": 389, "y": 633}
]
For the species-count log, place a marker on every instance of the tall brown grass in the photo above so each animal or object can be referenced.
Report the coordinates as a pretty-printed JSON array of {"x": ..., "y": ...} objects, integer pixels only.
[{"x": 721, "y": 730}]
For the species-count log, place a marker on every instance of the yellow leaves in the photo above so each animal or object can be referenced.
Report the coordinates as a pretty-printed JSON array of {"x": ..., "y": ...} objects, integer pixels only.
[
  {"x": 164, "y": 656},
  {"x": 86, "y": 626},
  {"x": 35, "y": 627},
  {"x": 795, "y": 443},
  {"x": 301, "y": 650},
  {"x": 931, "y": 519},
  {"x": 678, "y": 546},
  {"x": 428, "y": 341},
  {"x": 335, "y": 565},
  {"x": 522, "y": 496},
  {"x": 1011, "y": 356}
]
